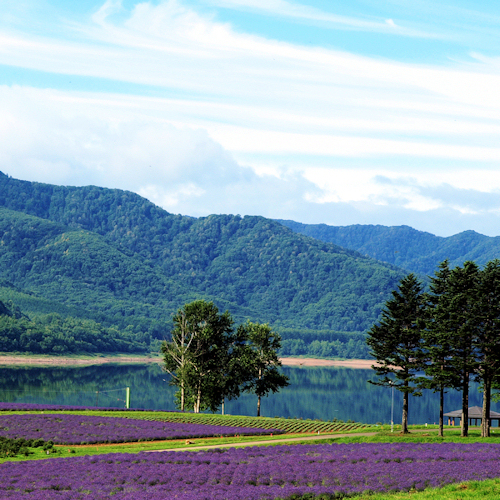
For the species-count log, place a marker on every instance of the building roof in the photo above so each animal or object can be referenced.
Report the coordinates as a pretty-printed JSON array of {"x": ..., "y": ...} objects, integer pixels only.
[{"x": 474, "y": 412}]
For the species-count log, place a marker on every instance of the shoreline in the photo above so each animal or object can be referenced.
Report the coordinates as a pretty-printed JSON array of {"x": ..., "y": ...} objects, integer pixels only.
[
  {"x": 346, "y": 363},
  {"x": 46, "y": 360}
]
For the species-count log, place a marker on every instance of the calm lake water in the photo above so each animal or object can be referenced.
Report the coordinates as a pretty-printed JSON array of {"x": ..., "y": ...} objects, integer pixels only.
[{"x": 314, "y": 392}]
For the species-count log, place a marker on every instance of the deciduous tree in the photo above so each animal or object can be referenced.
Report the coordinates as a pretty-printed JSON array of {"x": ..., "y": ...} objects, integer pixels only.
[{"x": 263, "y": 363}]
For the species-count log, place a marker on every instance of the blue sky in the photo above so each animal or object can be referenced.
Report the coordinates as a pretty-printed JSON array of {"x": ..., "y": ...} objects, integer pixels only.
[{"x": 359, "y": 112}]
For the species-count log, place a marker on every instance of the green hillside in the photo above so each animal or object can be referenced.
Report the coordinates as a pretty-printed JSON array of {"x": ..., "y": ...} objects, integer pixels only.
[
  {"x": 403, "y": 246},
  {"x": 113, "y": 257}
]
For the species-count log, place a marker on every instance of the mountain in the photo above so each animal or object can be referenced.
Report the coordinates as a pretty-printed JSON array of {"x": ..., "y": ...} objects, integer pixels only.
[
  {"x": 416, "y": 251},
  {"x": 113, "y": 257}
]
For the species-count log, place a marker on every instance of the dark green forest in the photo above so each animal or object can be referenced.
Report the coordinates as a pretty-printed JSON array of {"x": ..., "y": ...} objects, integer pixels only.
[
  {"x": 416, "y": 251},
  {"x": 114, "y": 259}
]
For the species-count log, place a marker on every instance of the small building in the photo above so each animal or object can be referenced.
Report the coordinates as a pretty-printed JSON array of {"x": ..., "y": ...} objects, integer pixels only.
[{"x": 475, "y": 413}]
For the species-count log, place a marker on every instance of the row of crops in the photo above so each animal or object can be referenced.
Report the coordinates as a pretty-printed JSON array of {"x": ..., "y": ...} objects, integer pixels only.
[
  {"x": 86, "y": 429},
  {"x": 329, "y": 471},
  {"x": 287, "y": 425},
  {"x": 282, "y": 425}
]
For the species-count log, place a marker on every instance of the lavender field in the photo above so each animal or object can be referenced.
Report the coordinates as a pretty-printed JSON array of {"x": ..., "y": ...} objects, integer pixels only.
[
  {"x": 83, "y": 429},
  {"x": 47, "y": 407},
  {"x": 251, "y": 473}
]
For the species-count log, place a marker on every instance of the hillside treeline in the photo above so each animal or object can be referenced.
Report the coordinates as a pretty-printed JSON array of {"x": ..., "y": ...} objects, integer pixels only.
[
  {"x": 52, "y": 334},
  {"x": 416, "y": 251},
  {"x": 112, "y": 257}
]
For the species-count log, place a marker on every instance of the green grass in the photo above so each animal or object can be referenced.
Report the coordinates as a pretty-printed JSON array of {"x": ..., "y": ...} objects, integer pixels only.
[
  {"x": 100, "y": 449},
  {"x": 473, "y": 490}
]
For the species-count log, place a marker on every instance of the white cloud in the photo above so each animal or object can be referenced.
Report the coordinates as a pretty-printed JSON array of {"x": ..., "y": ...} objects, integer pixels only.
[
  {"x": 310, "y": 119},
  {"x": 108, "y": 8},
  {"x": 306, "y": 13}
]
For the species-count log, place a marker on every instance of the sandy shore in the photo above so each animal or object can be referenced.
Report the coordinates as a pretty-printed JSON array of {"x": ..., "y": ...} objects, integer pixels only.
[
  {"x": 350, "y": 363},
  {"x": 74, "y": 361},
  {"x": 8, "y": 360}
]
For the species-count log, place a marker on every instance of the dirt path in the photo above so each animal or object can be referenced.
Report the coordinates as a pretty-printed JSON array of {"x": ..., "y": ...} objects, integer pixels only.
[{"x": 314, "y": 437}]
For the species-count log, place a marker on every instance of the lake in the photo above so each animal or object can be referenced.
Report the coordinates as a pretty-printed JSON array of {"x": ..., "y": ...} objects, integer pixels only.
[{"x": 314, "y": 392}]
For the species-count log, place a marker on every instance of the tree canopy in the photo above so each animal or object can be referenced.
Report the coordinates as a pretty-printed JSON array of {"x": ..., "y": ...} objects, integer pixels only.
[{"x": 209, "y": 361}]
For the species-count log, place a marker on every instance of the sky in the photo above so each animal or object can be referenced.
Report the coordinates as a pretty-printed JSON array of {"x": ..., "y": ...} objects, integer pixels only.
[{"x": 334, "y": 112}]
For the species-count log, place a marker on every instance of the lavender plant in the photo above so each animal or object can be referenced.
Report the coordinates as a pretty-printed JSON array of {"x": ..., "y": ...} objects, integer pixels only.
[
  {"x": 49, "y": 407},
  {"x": 83, "y": 429},
  {"x": 255, "y": 473}
]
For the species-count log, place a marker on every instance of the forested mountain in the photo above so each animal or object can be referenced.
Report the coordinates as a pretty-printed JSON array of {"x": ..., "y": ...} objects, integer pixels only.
[
  {"x": 403, "y": 246},
  {"x": 112, "y": 257}
]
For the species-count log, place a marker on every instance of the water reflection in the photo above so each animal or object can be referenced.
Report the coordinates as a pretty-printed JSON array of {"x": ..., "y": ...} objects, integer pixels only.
[{"x": 314, "y": 392}]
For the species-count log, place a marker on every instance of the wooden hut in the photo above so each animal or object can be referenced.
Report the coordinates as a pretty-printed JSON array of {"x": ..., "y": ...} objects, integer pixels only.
[{"x": 475, "y": 413}]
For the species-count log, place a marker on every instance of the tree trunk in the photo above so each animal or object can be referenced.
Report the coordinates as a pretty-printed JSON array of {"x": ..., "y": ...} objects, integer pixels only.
[
  {"x": 198, "y": 400},
  {"x": 465, "y": 406},
  {"x": 404, "y": 422},
  {"x": 485, "y": 422},
  {"x": 258, "y": 397},
  {"x": 182, "y": 394},
  {"x": 441, "y": 412}
]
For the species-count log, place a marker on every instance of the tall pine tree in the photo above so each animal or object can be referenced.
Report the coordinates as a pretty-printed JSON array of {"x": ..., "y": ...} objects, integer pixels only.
[
  {"x": 461, "y": 322},
  {"x": 396, "y": 342},
  {"x": 436, "y": 340},
  {"x": 488, "y": 336}
]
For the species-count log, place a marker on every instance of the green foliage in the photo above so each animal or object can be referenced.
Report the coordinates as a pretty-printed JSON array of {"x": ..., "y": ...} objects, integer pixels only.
[
  {"x": 11, "y": 447},
  {"x": 202, "y": 356},
  {"x": 52, "y": 334},
  {"x": 115, "y": 258},
  {"x": 403, "y": 246},
  {"x": 262, "y": 374}
]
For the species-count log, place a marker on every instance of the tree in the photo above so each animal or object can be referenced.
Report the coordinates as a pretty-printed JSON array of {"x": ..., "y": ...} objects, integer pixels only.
[
  {"x": 488, "y": 336},
  {"x": 436, "y": 340},
  {"x": 177, "y": 353},
  {"x": 197, "y": 356},
  {"x": 461, "y": 323},
  {"x": 262, "y": 360},
  {"x": 397, "y": 340}
]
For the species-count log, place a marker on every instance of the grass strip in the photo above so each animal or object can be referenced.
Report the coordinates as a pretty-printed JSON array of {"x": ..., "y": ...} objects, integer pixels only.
[{"x": 473, "y": 490}]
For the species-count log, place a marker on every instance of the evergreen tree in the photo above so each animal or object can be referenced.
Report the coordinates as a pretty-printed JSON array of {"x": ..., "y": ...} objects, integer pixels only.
[
  {"x": 488, "y": 339},
  {"x": 436, "y": 340},
  {"x": 396, "y": 341},
  {"x": 460, "y": 320}
]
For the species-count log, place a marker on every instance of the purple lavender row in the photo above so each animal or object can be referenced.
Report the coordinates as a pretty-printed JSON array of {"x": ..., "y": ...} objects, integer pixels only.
[
  {"x": 83, "y": 429},
  {"x": 252, "y": 473},
  {"x": 42, "y": 407}
]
